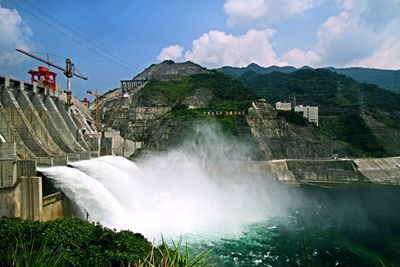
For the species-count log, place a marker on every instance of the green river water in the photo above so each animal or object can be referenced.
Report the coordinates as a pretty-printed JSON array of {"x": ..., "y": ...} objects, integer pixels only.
[{"x": 340, "y": 226}]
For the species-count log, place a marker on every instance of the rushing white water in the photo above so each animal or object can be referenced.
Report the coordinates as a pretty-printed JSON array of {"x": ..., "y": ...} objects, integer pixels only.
[{"x": 198, "y": 188}]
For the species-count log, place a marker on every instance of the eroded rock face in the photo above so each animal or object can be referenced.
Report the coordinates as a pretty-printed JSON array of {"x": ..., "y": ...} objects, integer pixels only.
[
  {"x": 133, "y": 119},
  {"x": 169, "y": 70},
  {"x": 140, "y": 117},
  {"x": 273, "y": 137},
  {"x": 200, "y": 98},
  {"x": 279, "y": 139},
  {"x": 147, "y": 118}
]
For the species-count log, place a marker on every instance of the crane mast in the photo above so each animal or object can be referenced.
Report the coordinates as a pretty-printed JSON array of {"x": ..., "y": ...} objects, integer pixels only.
[{"x": 68, "y": 71}]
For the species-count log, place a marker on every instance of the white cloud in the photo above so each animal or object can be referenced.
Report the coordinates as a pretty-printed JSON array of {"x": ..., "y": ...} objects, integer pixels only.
[
  {"x": 299, "y": 58},
  {"x": 239, "y": 10},
  {"x": 363, "y": 34},
  {"x": 172, "y": 52},
  {"x": 216, "y": 48},
  {"x": 259, "y": 11},
  {"x": 386, "y": 57},
  {"x": 13, "y": 34}
]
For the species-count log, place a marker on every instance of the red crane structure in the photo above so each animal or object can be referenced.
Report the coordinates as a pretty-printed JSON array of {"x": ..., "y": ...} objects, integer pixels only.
[
  {"x": 44, "y": 77},
  {"x": 69, "y": 71}
]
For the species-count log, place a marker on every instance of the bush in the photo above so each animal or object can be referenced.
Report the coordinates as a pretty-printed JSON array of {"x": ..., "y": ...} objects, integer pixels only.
[
  {"x": 223, "y": 88},
  {"x": 355, "y": 132},
  {"x": 293, "y": 117},
  {"x": 78, "y": 243},
  {"x": 74, "y": 242}
]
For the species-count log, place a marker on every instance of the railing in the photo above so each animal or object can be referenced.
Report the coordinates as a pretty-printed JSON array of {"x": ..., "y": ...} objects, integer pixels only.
[{"x": 225, "y": 113}]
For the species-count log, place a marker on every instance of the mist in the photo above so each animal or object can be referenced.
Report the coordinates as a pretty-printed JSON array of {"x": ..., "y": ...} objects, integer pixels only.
[{"x": 207, "y": 185}]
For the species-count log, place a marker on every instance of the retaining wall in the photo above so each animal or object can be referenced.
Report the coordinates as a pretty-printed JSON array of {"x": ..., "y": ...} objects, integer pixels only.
[
  {"x": 53, "y": 207},
  {"x": 381, "y": 171}
]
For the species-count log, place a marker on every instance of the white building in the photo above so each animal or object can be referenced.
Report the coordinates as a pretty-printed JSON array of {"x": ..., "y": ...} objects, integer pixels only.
[
  {"x": 311, "y": 113},
  {"x": 283, "y": 106}
]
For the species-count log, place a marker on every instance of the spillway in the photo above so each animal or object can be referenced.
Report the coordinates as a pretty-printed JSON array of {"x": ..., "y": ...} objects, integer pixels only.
[{"x": 170, "y": 194}]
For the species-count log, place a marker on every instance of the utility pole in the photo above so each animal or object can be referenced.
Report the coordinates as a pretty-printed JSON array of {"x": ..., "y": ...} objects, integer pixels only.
[
  {"x": 361, "y": 101},
  {"x": 97, "y": 103}
]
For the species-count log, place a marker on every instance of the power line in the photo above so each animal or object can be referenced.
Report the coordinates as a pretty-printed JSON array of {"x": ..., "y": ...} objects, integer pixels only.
[
  {"x": 71, "y": 37},
  {"x": 80, "y": 35}
]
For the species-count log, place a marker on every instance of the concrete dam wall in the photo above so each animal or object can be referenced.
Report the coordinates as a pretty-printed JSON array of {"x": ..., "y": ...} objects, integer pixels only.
[
  {"x": 36, "y": 129},
  {"x": 380, "y": 171}
]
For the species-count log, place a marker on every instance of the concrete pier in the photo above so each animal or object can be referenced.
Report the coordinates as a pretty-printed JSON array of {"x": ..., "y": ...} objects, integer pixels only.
[
  {"x": 50, "y": 125},
  {"x": 14, "y": 114},
  {"x": 61, "y": 124},
  {"x": 37, "y": 124},
  {"x": 61, "y": 106}
]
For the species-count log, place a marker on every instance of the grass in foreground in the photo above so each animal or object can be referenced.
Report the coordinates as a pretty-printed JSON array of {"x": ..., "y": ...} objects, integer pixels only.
[
  {"x": 74, "y": 242},
  {"x": 177, "y": 256}
]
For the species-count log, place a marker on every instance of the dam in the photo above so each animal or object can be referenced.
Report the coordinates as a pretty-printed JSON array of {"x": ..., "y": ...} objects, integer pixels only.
[
  {"x": 38, "y": 129},
  {"x": 55, "y": 164}
]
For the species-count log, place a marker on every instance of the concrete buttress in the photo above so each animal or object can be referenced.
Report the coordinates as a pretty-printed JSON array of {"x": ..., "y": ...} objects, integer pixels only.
[
  {"x": 58, "y": 137},
  {"x": 14, "y": 113},
  {"x": 36, "y": 123},
  {"x": 70, "y": 123},
  {"x": 69, "y": 136}
]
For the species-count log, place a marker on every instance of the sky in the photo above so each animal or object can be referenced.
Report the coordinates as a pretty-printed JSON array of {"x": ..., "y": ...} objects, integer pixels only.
[{"x": 114, "y": 40}]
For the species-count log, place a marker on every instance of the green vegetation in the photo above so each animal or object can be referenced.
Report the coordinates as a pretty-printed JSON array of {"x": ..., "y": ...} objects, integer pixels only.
[
  {"x": 355, "y": 132},
  {"x": 339, "y": 99},
  {"x": 32, "y": 253},
  {"x": 232, "y": 125},
  {"x": 236, "y": 72},
  {"x": 225, "y": 90},
  {"x": 351, "y": 128},
  {"x": 293, "y": 117},
  {"x": 78, "y": 242},
  {"x": 169, "y": 62},
  {"x": 164, "y": 256},
  {"x": 333, "y": 93},
  {"x": 227, "y": 94},
  {"x": 74, "y": 242},
  {"x": 387, "y": 79},
  {"x": 229, "y": 105}
]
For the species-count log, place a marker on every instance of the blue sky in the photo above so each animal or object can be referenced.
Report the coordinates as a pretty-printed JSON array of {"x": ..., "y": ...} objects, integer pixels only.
[{"x": 212, "y": 33}]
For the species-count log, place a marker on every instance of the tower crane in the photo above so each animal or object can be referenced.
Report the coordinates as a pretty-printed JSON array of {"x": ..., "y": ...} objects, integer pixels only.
[
  {"x": 97, "y": 102},
  {"x": 69, "y": 71}
]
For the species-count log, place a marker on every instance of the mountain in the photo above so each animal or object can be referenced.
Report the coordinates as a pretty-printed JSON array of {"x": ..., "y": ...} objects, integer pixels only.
[
  {"x": 169, "y": 69},
  {"x": 236, "y": 72},
  {"x": 356, "y": 119},
  {"x": 361, "y": 114},
  {"x": 191, "y": 85},
  {"x": 160, "y": 112},
  {"x": 387, "y": 79}
]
